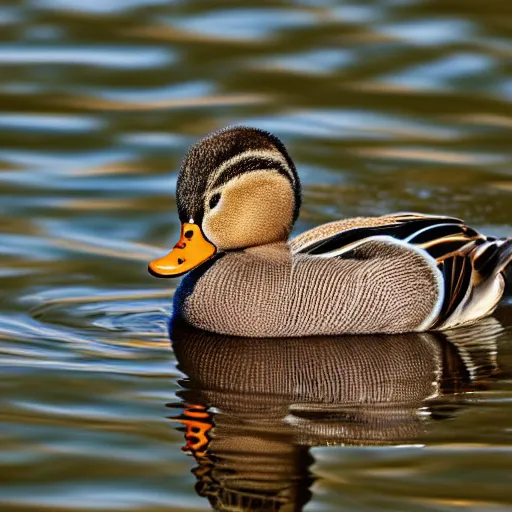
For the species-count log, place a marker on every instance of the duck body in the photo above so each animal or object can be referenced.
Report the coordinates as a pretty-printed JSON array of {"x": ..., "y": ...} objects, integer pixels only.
[
  {"x": 381, "y": 285},
  {"x": 238, "y": 195}
]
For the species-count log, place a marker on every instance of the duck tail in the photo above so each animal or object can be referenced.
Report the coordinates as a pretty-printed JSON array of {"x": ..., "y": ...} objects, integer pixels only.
[
  {"x": 484, "y": 284},
  {"x": 493, "y": 257},
  {"x": 508, "y": 279},
  {"x": 506, "y": 265}
]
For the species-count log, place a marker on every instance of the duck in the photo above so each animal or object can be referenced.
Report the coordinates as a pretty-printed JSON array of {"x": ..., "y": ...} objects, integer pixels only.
[{"x": 238, "y": 196}]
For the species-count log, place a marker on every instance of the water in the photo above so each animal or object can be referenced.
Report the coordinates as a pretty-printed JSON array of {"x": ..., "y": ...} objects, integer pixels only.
[{"x": 385, "y": 106}]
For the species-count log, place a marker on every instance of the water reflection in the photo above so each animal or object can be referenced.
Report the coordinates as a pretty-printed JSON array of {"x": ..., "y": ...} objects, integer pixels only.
[{"x": 253, "y": 408}]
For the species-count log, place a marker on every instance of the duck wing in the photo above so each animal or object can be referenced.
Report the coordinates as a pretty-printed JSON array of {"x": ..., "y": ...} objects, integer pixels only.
[{"x": 471, "y": 264}]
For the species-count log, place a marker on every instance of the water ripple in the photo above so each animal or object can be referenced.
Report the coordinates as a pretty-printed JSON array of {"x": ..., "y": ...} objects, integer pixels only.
[
  {"x": 99, "y": 56},
  {"x": 60, "y": 123},
  {"x": 384, "y": 106},
  {"x": 246, "y": 24}
]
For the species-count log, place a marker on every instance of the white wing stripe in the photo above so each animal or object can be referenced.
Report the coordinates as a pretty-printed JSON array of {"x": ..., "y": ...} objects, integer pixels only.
[{"x": 409, "y": 238}]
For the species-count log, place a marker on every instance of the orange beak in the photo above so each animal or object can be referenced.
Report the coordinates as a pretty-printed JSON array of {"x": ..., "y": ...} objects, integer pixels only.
[{"x": 192, "y": 250}]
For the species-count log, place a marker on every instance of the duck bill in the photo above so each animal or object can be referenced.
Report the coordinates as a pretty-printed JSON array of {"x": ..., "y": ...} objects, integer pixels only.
[{"x": 191, "y": 250}]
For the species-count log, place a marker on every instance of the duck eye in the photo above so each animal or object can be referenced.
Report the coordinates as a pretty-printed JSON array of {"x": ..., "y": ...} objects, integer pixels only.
[{"x": 214, "y": 201}]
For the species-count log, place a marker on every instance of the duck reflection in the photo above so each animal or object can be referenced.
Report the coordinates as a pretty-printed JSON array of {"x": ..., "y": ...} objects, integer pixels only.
[{"x": 253, "y": 407}]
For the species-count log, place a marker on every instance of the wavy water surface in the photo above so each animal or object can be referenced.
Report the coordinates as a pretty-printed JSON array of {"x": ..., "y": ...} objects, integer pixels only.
[{"x": 385, "y": 106}]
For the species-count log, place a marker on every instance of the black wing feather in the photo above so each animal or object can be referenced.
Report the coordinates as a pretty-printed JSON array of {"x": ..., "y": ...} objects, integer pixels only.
[
  {"x": 457, "y": 275},
  {"x": 402, "y": 229}
]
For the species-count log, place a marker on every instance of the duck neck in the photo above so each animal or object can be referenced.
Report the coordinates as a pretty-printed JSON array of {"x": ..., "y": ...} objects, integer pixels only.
[{"x": 274, "y": 251}]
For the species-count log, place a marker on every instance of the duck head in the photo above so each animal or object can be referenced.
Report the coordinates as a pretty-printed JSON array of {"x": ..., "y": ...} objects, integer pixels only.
[{"x": 237, "y": 188}]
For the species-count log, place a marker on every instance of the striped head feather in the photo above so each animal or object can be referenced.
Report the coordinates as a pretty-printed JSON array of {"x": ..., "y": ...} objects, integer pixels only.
[{"x": 241, "y": 187}]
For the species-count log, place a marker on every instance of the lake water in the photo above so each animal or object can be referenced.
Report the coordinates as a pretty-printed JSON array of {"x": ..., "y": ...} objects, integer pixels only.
[{"x": 386, "y": 105}]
